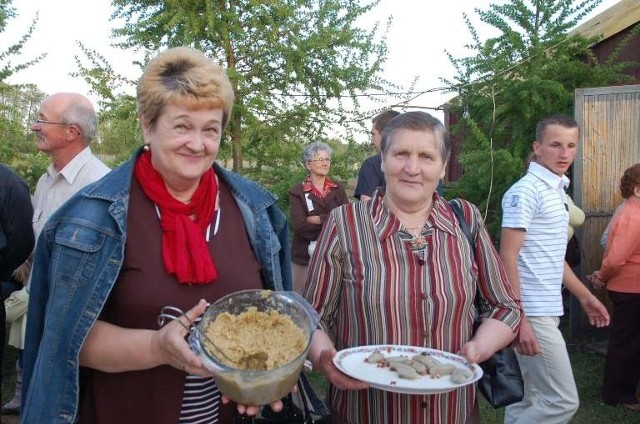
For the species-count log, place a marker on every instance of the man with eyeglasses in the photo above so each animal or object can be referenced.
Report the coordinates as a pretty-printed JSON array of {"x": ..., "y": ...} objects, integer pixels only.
[{"x": 65, "y": 126}]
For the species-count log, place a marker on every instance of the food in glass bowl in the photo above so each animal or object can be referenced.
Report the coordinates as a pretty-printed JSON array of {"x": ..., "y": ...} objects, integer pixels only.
[{"x": 255, "y": 342}]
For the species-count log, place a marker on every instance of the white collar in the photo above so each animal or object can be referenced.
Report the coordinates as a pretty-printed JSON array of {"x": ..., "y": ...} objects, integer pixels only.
[{"x": 559, "y": 182}]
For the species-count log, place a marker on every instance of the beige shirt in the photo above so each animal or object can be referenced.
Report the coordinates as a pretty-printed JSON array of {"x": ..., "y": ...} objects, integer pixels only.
[
  {"x": 56, "y": 187},
  {"x": 576, "y": 217}
]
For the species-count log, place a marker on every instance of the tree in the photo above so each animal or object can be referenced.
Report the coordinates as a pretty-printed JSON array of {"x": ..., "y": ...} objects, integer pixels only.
[
  {"x": 18, "y": 104},
  {"x": 297, "y": 67},
  {"x": 528, "y": 71},
  {"x": 118, "y": 131},
  {"x": 8, "y": 68}
]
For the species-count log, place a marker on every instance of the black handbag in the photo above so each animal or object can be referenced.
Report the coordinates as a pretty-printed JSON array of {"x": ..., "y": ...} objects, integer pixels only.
[
  {"x": 290, "y": 414},
  {"x": 303, "y": 411},
  {"x": 573, "y": 254},
  {"x": 501, "y": 383}
]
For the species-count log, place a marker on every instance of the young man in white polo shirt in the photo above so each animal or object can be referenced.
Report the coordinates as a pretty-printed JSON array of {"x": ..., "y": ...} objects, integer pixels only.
[{"x": 532, "y": 246}]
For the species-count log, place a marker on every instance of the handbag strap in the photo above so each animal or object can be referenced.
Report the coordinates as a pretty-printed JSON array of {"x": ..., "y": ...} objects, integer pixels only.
[
  {"x": 462, "y": 221},
  {"x": 471, "y": 238}
]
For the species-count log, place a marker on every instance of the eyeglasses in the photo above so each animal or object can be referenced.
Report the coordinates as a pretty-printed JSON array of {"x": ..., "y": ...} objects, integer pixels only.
[
  {"x": 40, "y": 122},
  {"x": 45, "y": 122},
  {"x": 323, "y": 160}
]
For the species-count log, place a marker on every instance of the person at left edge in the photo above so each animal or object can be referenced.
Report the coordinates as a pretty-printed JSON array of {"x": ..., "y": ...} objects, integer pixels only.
[
  {"x": 168, "y": 227},
  {"x": 64, "y": 129},
  {"x": 16, "y": 235}
]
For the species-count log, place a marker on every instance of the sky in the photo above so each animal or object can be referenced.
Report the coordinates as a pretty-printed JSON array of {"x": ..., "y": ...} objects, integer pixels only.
[{"x": 417, "y": 40}]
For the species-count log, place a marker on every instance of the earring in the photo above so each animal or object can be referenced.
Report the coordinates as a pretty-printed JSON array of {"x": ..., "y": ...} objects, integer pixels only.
[{"x": 146, "y": 147}]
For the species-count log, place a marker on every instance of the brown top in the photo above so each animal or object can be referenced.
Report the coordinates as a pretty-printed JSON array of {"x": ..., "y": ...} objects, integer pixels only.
[
  {"x": 143, "y": 287},
  {"x": 304, "y": 232}
]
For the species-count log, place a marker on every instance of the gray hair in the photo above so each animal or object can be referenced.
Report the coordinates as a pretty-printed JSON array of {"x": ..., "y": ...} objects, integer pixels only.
[
  {"x": 82, "y": 115},
  {"x": 311, "y": 150},
  {"x": 417, "y": 121}
]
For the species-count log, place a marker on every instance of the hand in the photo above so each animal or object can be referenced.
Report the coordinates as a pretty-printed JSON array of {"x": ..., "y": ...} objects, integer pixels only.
[
  {"x": 172, "y": 346},
  {"x": 335, "y": 376},
  {"x": 471, "y": 351},
  {"x": 314, "y": 219},
  {"x": 21, "y": 274},
  {"x": 527, "y": 340},
  {"x": 253, "y": 410},
  {"x": 595, "y": 310},
  {"x": 595, "y": 280}
]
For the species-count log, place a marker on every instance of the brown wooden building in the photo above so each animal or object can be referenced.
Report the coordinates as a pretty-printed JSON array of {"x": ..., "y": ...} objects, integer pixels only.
[{"x": 612, "y": 27}]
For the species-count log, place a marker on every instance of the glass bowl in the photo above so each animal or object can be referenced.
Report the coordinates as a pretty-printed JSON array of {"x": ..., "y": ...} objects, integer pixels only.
[{"x": 250, "y": 386}]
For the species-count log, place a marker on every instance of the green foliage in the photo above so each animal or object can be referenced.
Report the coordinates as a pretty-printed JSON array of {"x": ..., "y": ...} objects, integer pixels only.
[
  {"x": 8, "y": 67},
  {"x": 528, "y": 71},
  {"x": 31, "y": 166},
  {"x": 18, "y": 107},
  {"x": 278, "y": 167},
  {"x": 299, "y": 68},
  {"x": 7, "y": 11},
  {"x": 119, "y": 133}
]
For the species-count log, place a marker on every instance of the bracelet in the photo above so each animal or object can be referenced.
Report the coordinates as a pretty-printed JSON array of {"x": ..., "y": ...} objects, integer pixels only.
[{"x": 307, "y": 366}]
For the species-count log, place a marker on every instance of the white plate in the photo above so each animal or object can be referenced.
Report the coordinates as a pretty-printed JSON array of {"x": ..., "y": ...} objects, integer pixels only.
[{"x": 352, "y": 362}]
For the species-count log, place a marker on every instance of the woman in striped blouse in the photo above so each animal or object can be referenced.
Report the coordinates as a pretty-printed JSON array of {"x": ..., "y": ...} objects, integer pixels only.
[{"x": 397, "y": 269}]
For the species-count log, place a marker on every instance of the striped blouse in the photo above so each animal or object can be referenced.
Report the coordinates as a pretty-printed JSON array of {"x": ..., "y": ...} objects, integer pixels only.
[{"x": 371, "y": 286}]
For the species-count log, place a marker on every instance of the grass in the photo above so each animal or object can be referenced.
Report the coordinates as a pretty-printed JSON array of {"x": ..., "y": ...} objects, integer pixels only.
[
  {"x": 586, "y": 363},
  {"x": 588, "y": 367}
]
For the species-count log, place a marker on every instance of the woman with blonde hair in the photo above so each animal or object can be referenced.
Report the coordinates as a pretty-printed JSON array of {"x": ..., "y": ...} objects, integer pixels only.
[{"x": 168, "y": 227}]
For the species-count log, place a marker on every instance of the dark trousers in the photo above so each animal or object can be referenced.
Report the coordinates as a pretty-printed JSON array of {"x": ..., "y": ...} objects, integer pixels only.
[
  {"x": 3, "y": 327},
  {"x": 622, "y": 367}
]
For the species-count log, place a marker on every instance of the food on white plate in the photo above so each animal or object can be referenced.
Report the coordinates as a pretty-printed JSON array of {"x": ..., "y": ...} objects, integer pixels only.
[
  {"x": 461, "y": 375},
  {"x": 419, "y": 366},
  {"x": 441, "y": 370}
]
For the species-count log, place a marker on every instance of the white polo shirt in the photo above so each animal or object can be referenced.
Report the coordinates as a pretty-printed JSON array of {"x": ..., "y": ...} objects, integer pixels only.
[{"x": 536, "y": 203}]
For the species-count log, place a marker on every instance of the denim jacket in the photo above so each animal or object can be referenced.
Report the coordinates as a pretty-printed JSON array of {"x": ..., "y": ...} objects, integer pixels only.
[{"x": 78, "y": 259}]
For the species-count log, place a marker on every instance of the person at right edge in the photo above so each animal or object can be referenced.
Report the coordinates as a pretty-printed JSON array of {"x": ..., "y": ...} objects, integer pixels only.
[
  {"x": 620, "y": 274},
  {"x": 534, "y": 214}
]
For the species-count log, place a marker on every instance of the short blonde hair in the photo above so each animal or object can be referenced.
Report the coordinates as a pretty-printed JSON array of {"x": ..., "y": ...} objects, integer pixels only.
[{"x": 182, "y": 75}]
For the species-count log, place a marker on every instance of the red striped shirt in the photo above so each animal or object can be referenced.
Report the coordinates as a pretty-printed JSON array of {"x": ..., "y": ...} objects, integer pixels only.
[{"x": 371, "y": 287}]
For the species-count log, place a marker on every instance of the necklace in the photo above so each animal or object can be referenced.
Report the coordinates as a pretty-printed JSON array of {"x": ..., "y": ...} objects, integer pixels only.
[{"x": 208, "y": 233}]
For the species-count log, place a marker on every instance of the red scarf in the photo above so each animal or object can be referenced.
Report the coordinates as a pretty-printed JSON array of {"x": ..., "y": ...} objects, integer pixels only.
[{"x": 184, "y": 249}]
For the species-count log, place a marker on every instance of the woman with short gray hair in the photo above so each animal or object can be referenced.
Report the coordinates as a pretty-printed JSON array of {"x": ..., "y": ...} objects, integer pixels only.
[{"x": 309, "y": 204}]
